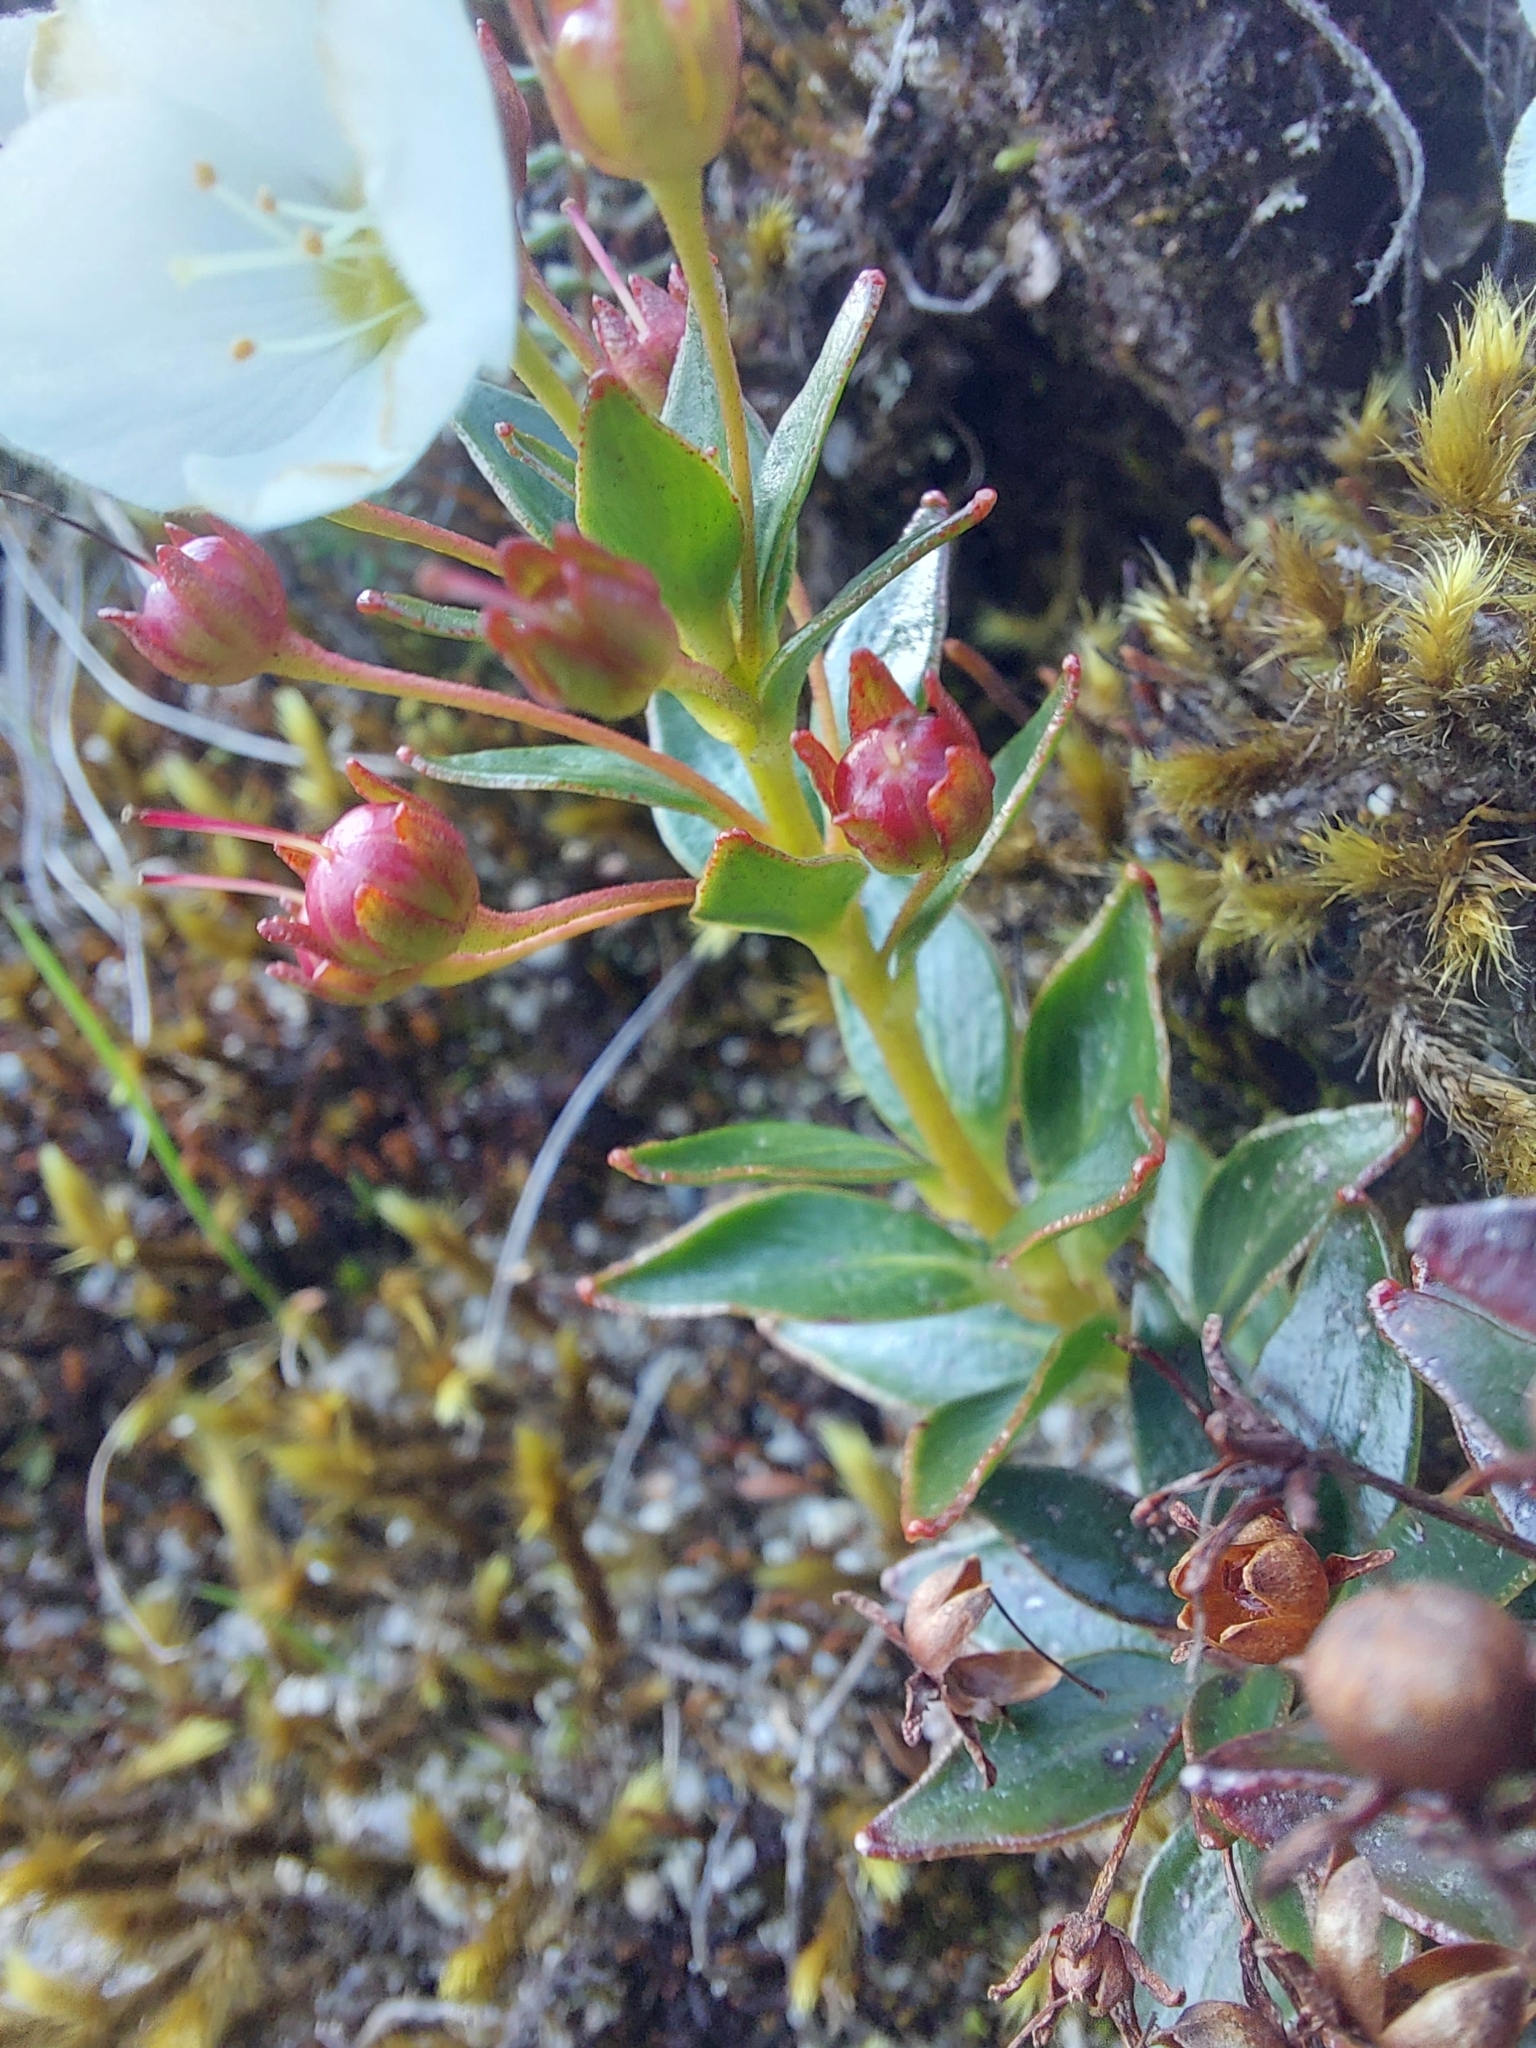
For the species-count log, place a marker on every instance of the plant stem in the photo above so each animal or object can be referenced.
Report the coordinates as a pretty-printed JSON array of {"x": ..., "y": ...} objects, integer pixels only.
[
  {"x": 304, "y": 662},
  {"x": 561, "y": 323},
  {"x": 772, "y": 768},
  {"x": 889, "y": 1008},
  {"x": 590, "y": 913},
  {"x": 681, "y": 206},
  {"x": 547, "y": 386}
]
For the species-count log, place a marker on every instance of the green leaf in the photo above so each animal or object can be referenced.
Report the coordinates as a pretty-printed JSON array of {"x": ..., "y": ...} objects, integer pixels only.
[
  {"x": 921, "y": 1361},
  {"x": 1186, "y": 1925},
  {"x": 588, "y": 771},
  {"x": 1364, "y": 1403},
  {"x": 1480, "y": 1369},
  {"x": 1080, "y": 1533},
  {"x": 1054, "y": 1622},
  {"x": 751, "y": 887},
  {"x": 1171, "y": 1213},
  {"x": 764, "y": 1151},
  {"x": 1272, "y": 1195},
  {"x": 903, "y": 622},
  {"x": 784, "y": 677},
  {"x": 1441, "y": 1895},
  {"x": 1095, "y": 1079},
  {"x": 1430, "y": 1549},
  {"x": 802, "y": 1253},
  {"x": 964, "y": 1019},
  {"x": 1066, "y": 1763},
  {"x": 692, "y": 404},
  {"x": 1166, "y": 1437},
  {"x": 418, "y": 615},
  {"x": 949, "y": 1455},
  {"x": 795, "y": 450},
  {"x": 1233, "y": 1703},
  {"x": 1096, "y": 1041},
  {"x": 674, "y": 730},
  {"x": 649, "y": 495},
  {"x": 537, "y": 505},
  {"x": 1016, "y": 771}
]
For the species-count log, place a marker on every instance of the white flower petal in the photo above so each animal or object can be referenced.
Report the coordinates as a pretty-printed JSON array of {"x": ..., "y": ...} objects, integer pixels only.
[
  {"x": 1528, "y": 9},
  {"x": 253, "y": 64},
  {"x": 415, "y": 101},
  {"x": 109, "y": 368},
  {"x": 381, "y": 422},
  {"x": 17, "y": 32},
  {"x": 1520, "y": 169}
]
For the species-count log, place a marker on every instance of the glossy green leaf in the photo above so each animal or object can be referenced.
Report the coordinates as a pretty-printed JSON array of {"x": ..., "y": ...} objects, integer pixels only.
[
  {"x": 1186, "y": 1925},
  {"x": 1080, "y": 1533},
  {"x": 1096, "y": 1042},
  {"x": 1017, "y": 771},
  {"x": 794, "y": 453},
  {"x": 1272, "y": 1195},
  {"x": 1065, "y": 1764},
  {"x": 649, "y": 495},
  {"x": 692, "y": 404},
  {"x": 904, "y": 622},
  {"x": 1443, "y": 1896},
  {"x": 1363, "y": 1401},
  {"x": 1427, "y": 1548},
  {"x": 1166, "y": 1436},
  {"x": 964, "y": 1019},
  {"x": 1232, "y": 1703},
  {"x": 537, "y": 505},
  {"x": 1171, "y": 1213},
  {"x": 587, "y": 771},
  {"x": 764, "y": 1151},
  {"x": 950, "y": 1454},
  {"x": 752, "y": 887},
  {"x": 1480, "y": 1369},
  {"x": 1098, "y": 1193},
  {"x": 923, "y": 1360},
  {"x": 1053, "y": 1621},
  {"x": 784, "y": 677},
  {"x": 806, "y": 1253},
  {"x": 674, "y": 730}
]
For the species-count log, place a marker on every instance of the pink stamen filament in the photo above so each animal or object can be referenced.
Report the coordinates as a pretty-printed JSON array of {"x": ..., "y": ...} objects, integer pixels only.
[{"x": 604, "y": 262}]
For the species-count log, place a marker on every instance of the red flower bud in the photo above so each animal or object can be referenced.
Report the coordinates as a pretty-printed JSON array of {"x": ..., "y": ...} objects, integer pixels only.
[
  {"x": 643, "y": 89},
  {"x": 640, "y": 343},
  {"x": 217, "y": 611},
  {"x": 580, "y": 628},
  {"x": 389, "y": 891},
  {"x": 914, "y": 789}
]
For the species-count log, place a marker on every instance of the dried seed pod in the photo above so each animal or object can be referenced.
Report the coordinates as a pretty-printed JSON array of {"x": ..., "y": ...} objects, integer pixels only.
[
  {"x": 1486, "y": 2010},
  {"x": 1426, "y": 1687},
  {"x": 1215, "y": 2024}
]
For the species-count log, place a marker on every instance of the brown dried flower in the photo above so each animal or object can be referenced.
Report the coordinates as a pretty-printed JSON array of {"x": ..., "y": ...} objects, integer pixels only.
[
  {"x": 1263, "y": 1592},
  {"x": 944, "y": 1612}
]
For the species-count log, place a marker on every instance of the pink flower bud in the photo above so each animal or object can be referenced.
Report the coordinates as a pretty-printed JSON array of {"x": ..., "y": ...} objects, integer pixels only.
[
  {"x": 389, "y": 891},
  {"x": 581, "y": 628},
  {"x": 914, "y": 789},
  {"x": 640, "y": 342},
  {"x": 642, "y": 89},
  {"x": 217, "y": 611}
]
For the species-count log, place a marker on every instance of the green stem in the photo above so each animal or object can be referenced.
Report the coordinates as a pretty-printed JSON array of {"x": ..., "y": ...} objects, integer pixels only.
[
  {"x": 889, "y": 1008},
  {"x": 547, "y": 386},
  {"x": 681, "y": 206},
  {"x": 302, "y": 661},
  {"x": 772, "y": 769},
  {"x": 560, "y": 322}
]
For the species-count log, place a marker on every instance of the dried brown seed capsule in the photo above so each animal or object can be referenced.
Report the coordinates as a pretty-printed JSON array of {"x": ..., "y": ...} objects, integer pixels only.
[
  {"x": 1426, "y": 1687},
  {"x": 1215, "y": 2024}
]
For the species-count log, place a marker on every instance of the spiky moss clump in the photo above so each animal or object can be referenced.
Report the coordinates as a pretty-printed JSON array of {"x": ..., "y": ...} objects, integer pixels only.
[{"x": 1361, "y": 683}]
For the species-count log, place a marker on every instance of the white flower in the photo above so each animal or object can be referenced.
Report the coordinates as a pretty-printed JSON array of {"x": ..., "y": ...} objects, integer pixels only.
[
  {"x": 1520, "y": 161},
  {"x": 254, "y": 251}
]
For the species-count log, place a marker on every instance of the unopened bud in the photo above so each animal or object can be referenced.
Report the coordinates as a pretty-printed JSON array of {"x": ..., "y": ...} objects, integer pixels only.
[
  {"x": 1425, "y": 1686},
  {"x": 216, "y": 613},
  {"x": 389, "y": 891},
  {"x": 582, "y": 629},
  {"x": 642, "y": 89},
  {"x": 914, "y": 789}
]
